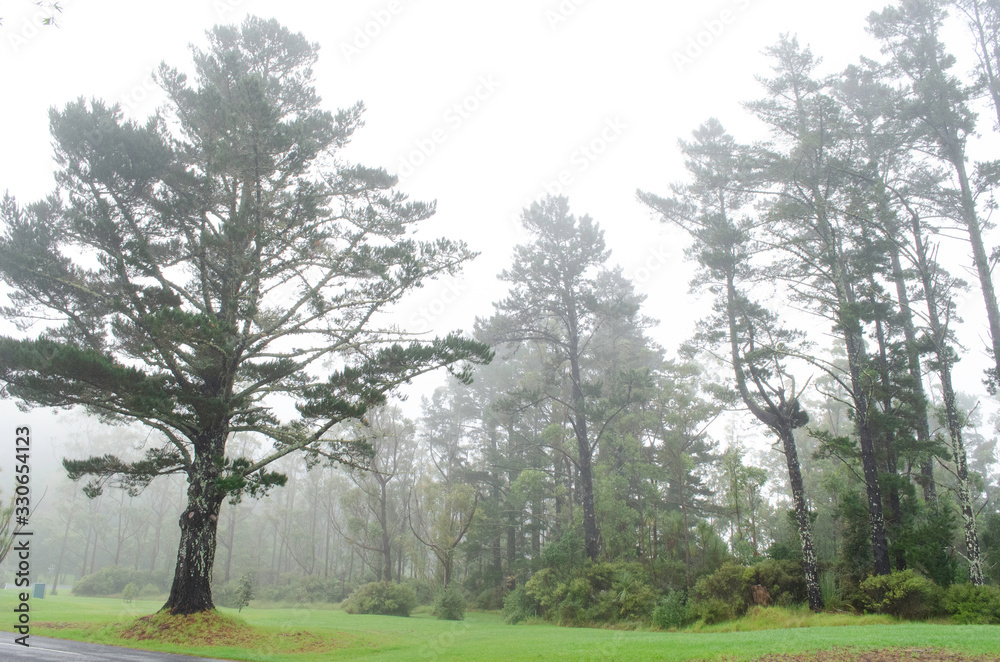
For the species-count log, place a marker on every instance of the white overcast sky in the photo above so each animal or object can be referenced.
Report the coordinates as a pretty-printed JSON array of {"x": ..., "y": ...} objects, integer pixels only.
[{"x": 594, "y": 92}]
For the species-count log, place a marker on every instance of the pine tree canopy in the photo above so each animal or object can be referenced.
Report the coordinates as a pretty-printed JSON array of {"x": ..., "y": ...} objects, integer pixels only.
[{"x": 194, "y": 270}]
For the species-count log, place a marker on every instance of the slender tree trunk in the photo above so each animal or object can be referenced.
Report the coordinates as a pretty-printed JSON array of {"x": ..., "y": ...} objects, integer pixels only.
[
  {"x": 230, "y": 536},
  {"x": 93, "y": 553},
  {"x": 979, "y": 258},
  {"x": 850, "y": 326},
  {"x": 86, "y": 551},
  {"x": 780, "y": 422},
  {"x": 889, "y": 445},
  {"x": 973, "y": 552},
  {"x": 916, "y": 375},
  {"x": 511, "y": 549},
  {"x": 944, "y": 354},
  {"x": 62, "y": 552},
  {"x": 386, "y": 542},
  {"x": 326, "y": 550},
  {"x": 809, "y": 561},
  {"x": 156, "y": 543}
]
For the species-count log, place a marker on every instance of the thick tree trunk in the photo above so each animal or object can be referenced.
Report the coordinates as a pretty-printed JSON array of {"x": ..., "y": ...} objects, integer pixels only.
[{"x": 191, "y": 591}]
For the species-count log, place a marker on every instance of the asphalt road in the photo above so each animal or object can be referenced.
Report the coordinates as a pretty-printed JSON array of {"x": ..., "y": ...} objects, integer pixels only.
[{"x": 43, "y": 649}]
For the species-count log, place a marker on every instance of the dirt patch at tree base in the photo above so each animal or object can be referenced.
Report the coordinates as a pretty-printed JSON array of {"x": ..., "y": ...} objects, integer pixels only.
[
  {"x": 214, "y": 629},
  {"x": 884, "y": 655}
]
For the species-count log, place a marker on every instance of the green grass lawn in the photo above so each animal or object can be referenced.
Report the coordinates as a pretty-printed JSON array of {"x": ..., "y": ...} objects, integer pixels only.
[{"x": 315, "y": 635}]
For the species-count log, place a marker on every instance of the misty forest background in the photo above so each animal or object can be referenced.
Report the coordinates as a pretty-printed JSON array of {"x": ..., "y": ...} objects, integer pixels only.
[{"x": 588, "y": 475}]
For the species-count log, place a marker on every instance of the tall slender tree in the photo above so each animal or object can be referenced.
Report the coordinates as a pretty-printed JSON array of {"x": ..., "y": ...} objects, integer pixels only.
[
  {"x": 754, "y": 341},
  {"x": 809, "y": 218},
  {"x": 938, "y": 100},
  {"x": 562, "y": 295}
]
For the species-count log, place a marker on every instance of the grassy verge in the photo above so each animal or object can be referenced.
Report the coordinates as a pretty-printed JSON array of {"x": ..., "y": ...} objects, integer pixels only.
[{"x": 315, "y": 635}]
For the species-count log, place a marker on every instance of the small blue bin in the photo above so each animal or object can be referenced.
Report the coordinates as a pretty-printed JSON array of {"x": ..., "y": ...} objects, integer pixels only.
[{"x": 39, "y": 591}]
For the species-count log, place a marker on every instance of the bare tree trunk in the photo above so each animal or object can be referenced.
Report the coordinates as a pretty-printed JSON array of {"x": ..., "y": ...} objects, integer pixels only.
[{"x": 62, "y": 552}]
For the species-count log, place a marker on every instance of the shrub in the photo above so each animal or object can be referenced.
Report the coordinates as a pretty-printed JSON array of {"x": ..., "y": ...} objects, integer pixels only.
[
  {"x": 489, "y": 599},
  {"x": 385, "y": 598},
  {"x": 973, "y": 605},
  {"x": 903, "y": 594},
  {"x": 450, "y": 605},
  {"x": 130, "y": 592},
  {"x": 545, "y": 589},
  {"x": 784, "y": 580},
  {"x": 635, "y": 599},
  {"x": 727, "y": 585},
  {"x": 713, "y": 610},
  {"x": 519, "y": 605},
  {"x": 672, "y": 612},
  {"x": 114, "y": 579},
  {"x": 244, "y": 591}
]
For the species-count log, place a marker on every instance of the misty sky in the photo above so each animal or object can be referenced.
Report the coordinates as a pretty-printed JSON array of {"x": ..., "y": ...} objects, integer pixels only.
[{"x": 483, "y": 106}]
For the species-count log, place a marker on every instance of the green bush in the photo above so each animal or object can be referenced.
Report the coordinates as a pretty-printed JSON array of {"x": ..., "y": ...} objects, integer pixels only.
[
  {"x": 634, "y": 598},
  {"x": 903, "y": 594},
  {"x": 727, "y": 585},
  {"x": 973, "y": 605},
  {"x": 785, "y": 581},
  {"x": 130, "y": 592},
  {"x": 244, "y": 591},
  {"x": 385, "y": 598},
  {"x": 713, "y": 610},
  {"x": 519, "y": 605},
  {"x": 489, "y": 599},
  {"x": 450, "y": 605},
  {"x": 113, "y": 580},
  {"x": 672, "y": 612},
  {"x": 545, "y": 589},
  {"x": 294, "y": 588}
]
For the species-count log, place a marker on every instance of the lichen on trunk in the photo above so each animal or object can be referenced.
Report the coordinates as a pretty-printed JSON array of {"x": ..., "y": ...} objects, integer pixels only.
[{"x": 191, "y": 590}]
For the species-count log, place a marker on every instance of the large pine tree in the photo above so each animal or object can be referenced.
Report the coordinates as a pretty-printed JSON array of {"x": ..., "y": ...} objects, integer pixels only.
[{"x": 213, "y": 261}]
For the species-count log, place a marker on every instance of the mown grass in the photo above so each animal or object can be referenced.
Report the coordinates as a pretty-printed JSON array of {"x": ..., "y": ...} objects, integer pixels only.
[{"x": 315, "y": 635}]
